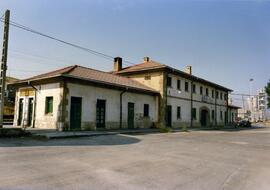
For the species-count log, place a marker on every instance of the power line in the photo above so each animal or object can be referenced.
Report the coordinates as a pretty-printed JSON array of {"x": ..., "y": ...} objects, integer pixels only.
[{"x": 94, "y": 52}]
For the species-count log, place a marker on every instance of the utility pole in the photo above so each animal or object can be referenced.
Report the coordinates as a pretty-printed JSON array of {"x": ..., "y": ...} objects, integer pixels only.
[{"x": 4, "y": 66}]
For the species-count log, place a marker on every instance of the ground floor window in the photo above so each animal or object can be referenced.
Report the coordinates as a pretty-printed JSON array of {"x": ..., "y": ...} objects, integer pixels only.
[
  {"x": 221, "y": 115},
  {"x": 213, "y": 114},
  {"x": 146, "y": 110},
  {"x": 194, "y": 114},
  {"x": 178, "y": 112},
  {"x": 49, "y": 105},
  {"x": 232, "y": 117}
]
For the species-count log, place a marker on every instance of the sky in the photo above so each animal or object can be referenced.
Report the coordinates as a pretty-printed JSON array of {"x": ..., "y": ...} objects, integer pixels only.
[{"x": 226, "y": 42}]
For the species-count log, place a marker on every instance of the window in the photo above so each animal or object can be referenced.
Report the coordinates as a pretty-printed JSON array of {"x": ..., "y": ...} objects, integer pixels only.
[
  {"x": 206, "y": 92},
  {"x": 213, "y": 94},
  {"x": 225, "y": 96},
  {"x": 221, "y": 95},
  {"x": 178, "y": 112},
  {"x": 148, "y": 77},
  {"x": 146, "y": 110},
  {"x": 216, "y": 94},
  {"x": 49, "y": 105},
  {"x": 169, "y": 82},
  {"x": 179, "y": 84},
  {"x": 221, "y": 115},
  {"x": 201, "y": 90},
  {"x": 194, "y": 116},
  {"x": 213, "y": 114},
  {"x": 193, "y": 88},
  {"x": 232, "y": 117},
  {"x": 186, "y": 86}
]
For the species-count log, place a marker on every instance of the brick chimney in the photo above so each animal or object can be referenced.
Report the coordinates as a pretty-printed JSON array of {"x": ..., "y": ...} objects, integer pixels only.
[
  {"x": 146, "y": 59},
  {"x": 117, "y": 64},
  {"x": 188, "y": 69}
]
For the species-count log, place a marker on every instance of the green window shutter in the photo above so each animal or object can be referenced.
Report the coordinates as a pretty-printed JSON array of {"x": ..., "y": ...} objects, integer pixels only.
[{"x": 49, "y": 105}]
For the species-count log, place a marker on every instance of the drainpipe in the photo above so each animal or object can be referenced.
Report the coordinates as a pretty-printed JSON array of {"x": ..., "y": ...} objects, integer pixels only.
[
  {"x": 191, "y": 104},
  {"x": 121, "y": 105},
  {"x": 227, "y": 107},
  {"x": 215, "y": 107},
  {"x": 34, "y": 114}
]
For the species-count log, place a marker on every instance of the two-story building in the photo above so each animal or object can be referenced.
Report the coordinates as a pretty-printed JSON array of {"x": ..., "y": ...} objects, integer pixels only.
[
  {"x": 186, "y": 100},
  {"x": 145, "y": 95}
]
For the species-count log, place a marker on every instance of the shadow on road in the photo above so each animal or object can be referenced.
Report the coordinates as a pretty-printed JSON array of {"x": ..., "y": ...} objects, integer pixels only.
[{"x": 108, "y": 140}]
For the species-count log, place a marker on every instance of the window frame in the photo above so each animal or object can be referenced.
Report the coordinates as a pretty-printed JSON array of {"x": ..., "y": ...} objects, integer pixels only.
[
  {"x": 194, "y": 88},
  {"x": 178, "y": 84},
  {"x": 178, "y": 114},
  {"x": 49, "y": 105},
  {"x": 186, "y": 86},
  {"x": 221, "y": 115},
  {"x": 194, "y": 114},
  {"x": 146, "y": 108},
  {"x": 169, "y": 84},
  {"x": 201, "y": 90}
]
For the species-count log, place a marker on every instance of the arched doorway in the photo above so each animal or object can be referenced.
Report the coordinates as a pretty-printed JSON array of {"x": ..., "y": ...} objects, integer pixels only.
[{"x": 204, "y": 116}]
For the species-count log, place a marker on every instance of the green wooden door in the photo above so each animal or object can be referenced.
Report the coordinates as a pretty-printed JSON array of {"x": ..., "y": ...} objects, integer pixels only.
[
  {"x": 131, "y": 115},
  {"x": 168, "y": 116},
  {"x": 20, "y": 113},
  {"x": 30, "y": 111},
  {"x": 75, "y": 113},
  {"x": 100, "y": 113}
]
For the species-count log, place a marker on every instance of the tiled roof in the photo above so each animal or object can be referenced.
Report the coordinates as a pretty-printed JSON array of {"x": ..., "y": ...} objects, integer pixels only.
[
  {"x": 153, "y": 65},
  {"x": 92, "y": 75},
  {"x": 142, "y": 66}
]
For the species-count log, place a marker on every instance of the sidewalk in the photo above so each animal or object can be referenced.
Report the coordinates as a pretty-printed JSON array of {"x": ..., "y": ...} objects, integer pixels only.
[{"x": 52, "y": 134}]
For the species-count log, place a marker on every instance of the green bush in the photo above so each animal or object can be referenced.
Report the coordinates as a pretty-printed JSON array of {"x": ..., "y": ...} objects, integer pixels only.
[{"x": 165, "y": 130}]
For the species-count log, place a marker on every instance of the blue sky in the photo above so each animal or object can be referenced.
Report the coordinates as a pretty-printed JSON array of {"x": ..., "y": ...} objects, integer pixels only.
[{"x": 227, "y": 42}]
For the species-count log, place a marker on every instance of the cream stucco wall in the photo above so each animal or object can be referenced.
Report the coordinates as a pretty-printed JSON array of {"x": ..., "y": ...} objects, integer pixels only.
[
  {"x": 90, "y": 94},
  {"x": 42, "y": 120}
]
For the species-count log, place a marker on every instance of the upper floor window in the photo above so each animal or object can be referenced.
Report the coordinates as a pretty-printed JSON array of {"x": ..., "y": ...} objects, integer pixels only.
[
  {"x": 221, "y": 95},
  {"x": 213, "y": 94},
  {"x": 179, "y": 84},
  {"x": 169, "y": 82},
  {"x": 216, "y": 94},
  {"x": 193, "y": 88},
  {"x": 186, "y": 86},
  {"x": 201, "y": 90},
  {"x": 146, "y": 110},
  {"x": 206, "y": 92},
  {"x": 49, "y": 105},
  {"x": 225, "y": 96}
]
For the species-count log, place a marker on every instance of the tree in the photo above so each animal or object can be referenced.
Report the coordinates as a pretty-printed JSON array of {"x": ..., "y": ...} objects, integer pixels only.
[{"x": 267, "y": 90}]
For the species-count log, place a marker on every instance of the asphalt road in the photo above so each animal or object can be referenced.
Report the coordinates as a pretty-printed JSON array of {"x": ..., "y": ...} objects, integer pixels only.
[{"x": 205, "y": 160}]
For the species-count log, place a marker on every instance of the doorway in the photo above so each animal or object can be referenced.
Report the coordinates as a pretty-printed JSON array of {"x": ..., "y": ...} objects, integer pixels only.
[
  {"x": 20, "y": 112},
  {"x": 204, "y": 117},
  {"x": 130, "y": 115},
  {"x": 75, "y": 113},
  {"x": 30, "y": 111},
  {"x": 169, "y": 116},
  {"x": 100, "y": 113}
]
